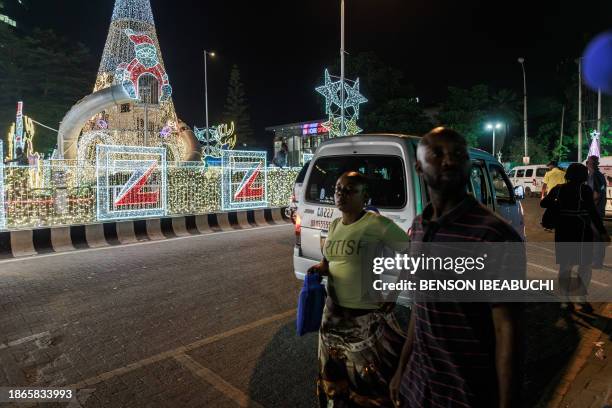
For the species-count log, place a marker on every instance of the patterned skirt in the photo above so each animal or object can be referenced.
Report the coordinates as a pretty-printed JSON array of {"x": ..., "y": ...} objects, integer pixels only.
[{"x": 358, "y": 355}]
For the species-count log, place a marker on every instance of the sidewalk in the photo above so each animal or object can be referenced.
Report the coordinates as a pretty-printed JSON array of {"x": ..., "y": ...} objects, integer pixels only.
[{"x": 587, "y": 381}]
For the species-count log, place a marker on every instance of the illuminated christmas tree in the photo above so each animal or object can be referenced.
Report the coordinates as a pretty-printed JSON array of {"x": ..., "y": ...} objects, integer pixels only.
[{"x": 132, "y": 57}]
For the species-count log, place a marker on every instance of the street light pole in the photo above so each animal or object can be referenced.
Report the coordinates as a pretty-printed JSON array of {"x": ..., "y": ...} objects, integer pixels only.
[
  {"x": 521, "y": 61},
  {"x": 492, "y": 127},
  {"x": 206, "y": 54}
]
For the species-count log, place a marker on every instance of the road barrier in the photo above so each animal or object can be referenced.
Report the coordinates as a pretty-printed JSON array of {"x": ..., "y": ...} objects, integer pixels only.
[{"x": 23, "y": 243}]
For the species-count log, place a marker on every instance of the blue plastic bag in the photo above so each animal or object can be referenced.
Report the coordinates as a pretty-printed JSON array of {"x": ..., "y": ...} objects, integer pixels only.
[{"x": 310, "y": 304}]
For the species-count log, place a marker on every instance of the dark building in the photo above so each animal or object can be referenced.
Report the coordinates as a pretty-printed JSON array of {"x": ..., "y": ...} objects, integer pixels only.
[{"x": 302, "y": 138}]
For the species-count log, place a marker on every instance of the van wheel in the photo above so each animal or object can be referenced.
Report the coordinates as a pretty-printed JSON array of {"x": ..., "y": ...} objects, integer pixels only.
[{"x": 527, "y": 192}]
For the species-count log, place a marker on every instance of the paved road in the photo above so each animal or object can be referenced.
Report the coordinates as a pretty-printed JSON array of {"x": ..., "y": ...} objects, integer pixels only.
[{"x": 203, "y": 321}]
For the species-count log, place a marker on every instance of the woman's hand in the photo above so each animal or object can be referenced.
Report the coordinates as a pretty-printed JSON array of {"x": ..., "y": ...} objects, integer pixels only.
[
  {"x": 322, "y": 268},
  {"x": 394, "y": 387}
]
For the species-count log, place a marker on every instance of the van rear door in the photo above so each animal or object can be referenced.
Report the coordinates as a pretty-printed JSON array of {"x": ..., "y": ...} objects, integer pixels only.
[{"x": 388, "y": 189}]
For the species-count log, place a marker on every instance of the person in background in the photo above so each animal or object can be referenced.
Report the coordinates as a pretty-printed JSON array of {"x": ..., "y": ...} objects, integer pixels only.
[
  {"x": 456, "y": 354},
  {"x": 597, "y": 182},
  {"x": 360, "y": 339},
  {"x": 553, "y": 177},
  {"x": 574, "y": 231},
  {"x": 281, "y": 157}
]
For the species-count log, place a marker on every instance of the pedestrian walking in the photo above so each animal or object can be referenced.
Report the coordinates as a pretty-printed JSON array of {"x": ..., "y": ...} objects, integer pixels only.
[
  {"x": 576, "y": 214},
  {"x": 456, "y": 354},
  {"x": 553, "y": 177},
  {"x": 360, "y": 339},
  {"x": 597, "y": 182}
]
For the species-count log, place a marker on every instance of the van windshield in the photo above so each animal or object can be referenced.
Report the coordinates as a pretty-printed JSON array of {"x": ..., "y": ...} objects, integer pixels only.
[{"x": 387, "y": 185}]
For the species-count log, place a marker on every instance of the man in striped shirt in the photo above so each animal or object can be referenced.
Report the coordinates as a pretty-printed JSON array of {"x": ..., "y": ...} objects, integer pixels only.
[{"x": 456, "y": 354}]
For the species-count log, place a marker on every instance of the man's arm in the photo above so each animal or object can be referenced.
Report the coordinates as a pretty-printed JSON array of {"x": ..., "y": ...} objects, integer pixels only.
[
  {"x": 544, "y": 189},
  {"x": 394, "y": 386},
  {"x": 505, "y": 325}
]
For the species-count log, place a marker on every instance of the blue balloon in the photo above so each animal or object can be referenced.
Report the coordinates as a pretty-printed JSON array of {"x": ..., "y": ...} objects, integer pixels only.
[{"x": 597, "y": 63}]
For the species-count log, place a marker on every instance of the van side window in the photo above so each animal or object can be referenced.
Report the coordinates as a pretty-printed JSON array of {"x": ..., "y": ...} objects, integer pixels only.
[
  {"x": 513, "y": 173},
  {"x": 529, "y": 173},
  {"x": 520, "y": 173},
  {"x": 478, "y": 184},
  {"x": 541, "y": 171},
  {"x": 501, "y": 184}
]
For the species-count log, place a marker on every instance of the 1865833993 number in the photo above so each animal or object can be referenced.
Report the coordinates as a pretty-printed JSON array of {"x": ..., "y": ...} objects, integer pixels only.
[{"x": 27, "y": 394}]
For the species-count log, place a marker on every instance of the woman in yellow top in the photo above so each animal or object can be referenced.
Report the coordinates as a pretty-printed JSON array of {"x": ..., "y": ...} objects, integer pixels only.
[{"x": 360, "y": 340}]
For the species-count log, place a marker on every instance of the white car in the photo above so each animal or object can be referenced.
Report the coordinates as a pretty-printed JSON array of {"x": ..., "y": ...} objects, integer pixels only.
[
  {"x": 531, "y": 177},
  {"x": 396, "y": 189}
]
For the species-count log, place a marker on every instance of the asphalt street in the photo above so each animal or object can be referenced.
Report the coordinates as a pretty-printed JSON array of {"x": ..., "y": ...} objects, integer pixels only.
[
  {"x": 194, "y": 322},
  {"x": 201, "y": 321}
]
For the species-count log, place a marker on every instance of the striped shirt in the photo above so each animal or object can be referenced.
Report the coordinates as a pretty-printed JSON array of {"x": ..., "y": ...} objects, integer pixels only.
[{"x": 453, "y": 355}]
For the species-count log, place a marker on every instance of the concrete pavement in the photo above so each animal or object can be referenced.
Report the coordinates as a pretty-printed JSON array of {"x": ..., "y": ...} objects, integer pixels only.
[{"x": 208, "y": 321}]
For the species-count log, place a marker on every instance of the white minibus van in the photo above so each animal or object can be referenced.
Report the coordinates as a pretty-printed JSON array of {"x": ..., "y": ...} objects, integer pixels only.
[
  {"x": 395, "y": 188},
  {"x": 531, "y": 177}
]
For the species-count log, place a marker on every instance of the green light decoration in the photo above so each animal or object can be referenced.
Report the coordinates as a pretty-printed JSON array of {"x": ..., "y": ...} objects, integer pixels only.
[
  {"x": 220, "y": 138},
  {"x": 334, "y": 107}
]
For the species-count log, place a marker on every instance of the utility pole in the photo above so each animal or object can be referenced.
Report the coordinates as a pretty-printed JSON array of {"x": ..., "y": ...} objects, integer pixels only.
[
  {"x": 599, "y": 111},
  {"x": 342, "y": 127},
  {"x": 521, "y": 61},
  {"x": 206, "y": 95},
  {"x": 561, "y": 131},
  {"x": 579, "y": 110}
]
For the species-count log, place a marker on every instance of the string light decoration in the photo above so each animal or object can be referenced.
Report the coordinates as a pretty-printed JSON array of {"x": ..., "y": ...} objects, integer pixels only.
[
  {"x": 68, "y": 195},
  {"x": 145, "y": 62},
  {"x": 131, "y": 182},
  {"x": 168, "y": 129},
  {"x": 220, "y": 138},
  {"x": 18, "y": 141},
  {"x": 2, "y": 210},
  {"x": 594, "y": 148},
  {"x": 334, "y": 107},
  {"x": 101, "y": 124},
  {"x": 244, "y": 179},
  {"x": 132, "y": 38},
  {"x": 87, "y": 145}
]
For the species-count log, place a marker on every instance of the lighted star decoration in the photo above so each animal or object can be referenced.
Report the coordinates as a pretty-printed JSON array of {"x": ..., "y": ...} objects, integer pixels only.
[
  {"x": 334, "y": 106},
  {"x": 353, "y": 97},
  {"x": 331, "y": 92}
]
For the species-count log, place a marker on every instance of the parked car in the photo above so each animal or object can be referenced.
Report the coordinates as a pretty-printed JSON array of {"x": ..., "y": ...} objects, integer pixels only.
[
  {"x": 396, "y": 189},
  {"x": 531, "y": 177},
  {"x": 290, "y": 211}
]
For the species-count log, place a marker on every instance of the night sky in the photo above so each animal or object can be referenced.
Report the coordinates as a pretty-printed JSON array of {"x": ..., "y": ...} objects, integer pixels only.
[{"x": 282, "y": 47}]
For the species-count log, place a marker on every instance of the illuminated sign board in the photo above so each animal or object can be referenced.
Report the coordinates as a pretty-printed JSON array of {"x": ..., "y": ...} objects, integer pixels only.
[
  {"x": 8, "y": 20},
  {"x": 244, "y": 180},
  {"x": 131, "y": 182},
  {"x": 314, "y": 128}
]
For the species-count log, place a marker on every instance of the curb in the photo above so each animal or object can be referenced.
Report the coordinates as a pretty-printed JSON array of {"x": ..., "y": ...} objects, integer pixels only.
[{"x": 22, "y": 243}]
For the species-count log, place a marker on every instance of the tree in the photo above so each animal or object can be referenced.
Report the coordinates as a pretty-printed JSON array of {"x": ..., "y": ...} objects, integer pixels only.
[
  {"x": 49, "y": 73},
  {"x": 467, "y": 110},
  {"x": 392, "y": 104},
  {"x": 236, "y": 109}
]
